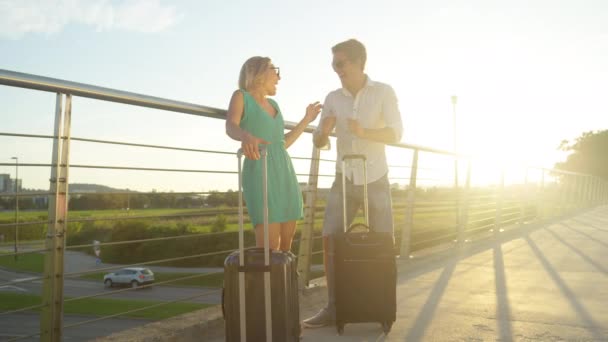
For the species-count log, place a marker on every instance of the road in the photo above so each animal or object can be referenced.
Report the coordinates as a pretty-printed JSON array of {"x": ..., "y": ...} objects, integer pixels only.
[{"x": 24, "y": 324}]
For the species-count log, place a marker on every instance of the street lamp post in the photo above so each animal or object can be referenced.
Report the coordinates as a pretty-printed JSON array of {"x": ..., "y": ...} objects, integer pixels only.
[
  {"x": 454, "y": 101},
  {"x": 458, "y": 201},
  {"x": 16, "y": 205}
]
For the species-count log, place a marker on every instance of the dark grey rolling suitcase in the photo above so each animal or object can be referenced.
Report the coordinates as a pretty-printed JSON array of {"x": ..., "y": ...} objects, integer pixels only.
[
  {"x": 250, "y": 307},
  {"x": 365, "y": 270}
]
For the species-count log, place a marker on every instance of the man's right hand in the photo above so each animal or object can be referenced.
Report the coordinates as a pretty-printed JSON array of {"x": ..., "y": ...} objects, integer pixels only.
[{"x": 322, "y": 137}]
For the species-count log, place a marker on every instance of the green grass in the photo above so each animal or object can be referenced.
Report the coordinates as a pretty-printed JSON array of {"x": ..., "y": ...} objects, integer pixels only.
[
  {"x": 102, "y": 307},
  {"x": 31, "y": 262}
]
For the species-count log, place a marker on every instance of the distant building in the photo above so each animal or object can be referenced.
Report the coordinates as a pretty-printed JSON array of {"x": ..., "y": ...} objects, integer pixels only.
[{"x": 5, "y": 182}]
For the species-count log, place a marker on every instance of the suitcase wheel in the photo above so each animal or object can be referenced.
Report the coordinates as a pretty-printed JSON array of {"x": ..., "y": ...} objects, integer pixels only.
[
  {"x": 340, "y": 328},
  {"x": 386, "y": 327}
]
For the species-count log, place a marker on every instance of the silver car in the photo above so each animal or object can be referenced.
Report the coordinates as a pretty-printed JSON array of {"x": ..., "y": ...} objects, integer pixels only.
[{"x": 131, "y": 276}]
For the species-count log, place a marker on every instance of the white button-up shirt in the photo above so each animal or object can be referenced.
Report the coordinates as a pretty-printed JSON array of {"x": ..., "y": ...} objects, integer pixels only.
[{"x": 374, "y": 106}]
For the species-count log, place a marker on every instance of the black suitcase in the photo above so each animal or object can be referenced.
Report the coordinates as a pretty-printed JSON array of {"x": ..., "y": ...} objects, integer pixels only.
[
  {"x": 250, "y": 275},
  {"x": 365, "y": 270}
]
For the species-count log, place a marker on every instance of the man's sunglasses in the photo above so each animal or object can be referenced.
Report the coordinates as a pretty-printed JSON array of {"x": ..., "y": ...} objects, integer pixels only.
[
  {"x": 339, "y": 64},
  {"x": 277, "y": 70}
]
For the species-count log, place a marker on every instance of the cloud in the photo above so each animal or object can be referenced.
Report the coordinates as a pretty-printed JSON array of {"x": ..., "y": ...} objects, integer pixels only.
[{"x": 19, "y": 17}]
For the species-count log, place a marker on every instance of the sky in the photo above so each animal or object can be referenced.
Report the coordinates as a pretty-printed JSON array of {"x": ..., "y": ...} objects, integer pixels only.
[{"x": 528, "y": 74}]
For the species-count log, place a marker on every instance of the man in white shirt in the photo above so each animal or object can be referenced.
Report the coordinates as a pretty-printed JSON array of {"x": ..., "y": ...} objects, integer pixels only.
[{"x": 366, "y": 117}]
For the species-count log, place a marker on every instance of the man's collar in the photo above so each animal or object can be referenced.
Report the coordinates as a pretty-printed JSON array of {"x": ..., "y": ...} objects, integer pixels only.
[{"x": 368, "y": 83}]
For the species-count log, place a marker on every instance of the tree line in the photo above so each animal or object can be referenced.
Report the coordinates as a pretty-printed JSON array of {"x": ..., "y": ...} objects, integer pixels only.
[{"x": 131, "y": 200}]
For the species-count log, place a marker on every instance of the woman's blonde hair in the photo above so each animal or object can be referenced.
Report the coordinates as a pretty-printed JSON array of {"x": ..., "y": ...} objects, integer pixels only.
[{"x": 252, "y": 70}]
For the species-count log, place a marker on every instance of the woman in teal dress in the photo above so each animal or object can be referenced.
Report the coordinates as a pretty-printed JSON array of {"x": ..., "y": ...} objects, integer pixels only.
[{"x": 255, "y": 119}]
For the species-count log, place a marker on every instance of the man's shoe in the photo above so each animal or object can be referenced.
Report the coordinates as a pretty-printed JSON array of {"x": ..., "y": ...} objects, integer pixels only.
[{"x": 321, "y": 319}]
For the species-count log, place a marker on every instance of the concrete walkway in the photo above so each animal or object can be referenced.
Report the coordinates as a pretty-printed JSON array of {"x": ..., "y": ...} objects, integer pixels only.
[{"x": 542, "y": 283}]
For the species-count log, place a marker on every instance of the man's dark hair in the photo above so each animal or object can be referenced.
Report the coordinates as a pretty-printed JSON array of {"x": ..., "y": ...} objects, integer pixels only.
[{"x": 354, "y": 50}]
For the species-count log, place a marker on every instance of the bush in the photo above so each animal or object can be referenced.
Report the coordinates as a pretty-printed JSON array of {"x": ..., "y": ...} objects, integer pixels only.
[{"x": 220, "y": 224}]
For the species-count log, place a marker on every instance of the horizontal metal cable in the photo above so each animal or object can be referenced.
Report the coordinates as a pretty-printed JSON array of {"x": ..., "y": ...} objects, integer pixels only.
[
  {"x": 138, "y": 310},
  {"x": 404, "y": 166},
  {"x": 26, "y": 136},
  {"x": 476, "y": 229},
  {"x": 173, "y": 148},
  {"x": 26, "y": 164},
  {"x": 27, "y": 308},
  {"x": 515, "y": 207},
  {"x": 480, "y": 197},
  {"x": 435, "y": 203},
  {"x": 106, "y": 293},
  {"x": 23, "y": 223},
  {"x": 471, "y": 222},
  {"x": 131, "y": 168},
  {"x": 427, "y": 229},
  {"x": 25, "y": 194},
  {"x": 443, "y": 237},
  {"x": 126, "y": 242},
  {"x": 26, "y": 280},
  {"x": 135, "y": 193},
  {"x": 160, "y": 261},
  {"x": 146, "y": 169},
  {"x": 26, "y": 252},
  {"x": 426, "y": 210},
  {"x": 506, "y": 222},
  {"x": 436, "y": 214},
  {"x": 23, "y": 337},
  {"x": 135, "y": 217},
  {"x": 477, "y": 213}
]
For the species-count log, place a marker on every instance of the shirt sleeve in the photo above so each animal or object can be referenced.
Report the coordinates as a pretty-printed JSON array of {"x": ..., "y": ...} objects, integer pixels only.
[{"x": 392, "y": 116}]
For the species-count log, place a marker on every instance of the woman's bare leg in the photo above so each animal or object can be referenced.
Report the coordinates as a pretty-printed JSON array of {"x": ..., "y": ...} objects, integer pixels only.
[
  {"x": 288, "y": 230},
  {"x": 274, "y": 236}
]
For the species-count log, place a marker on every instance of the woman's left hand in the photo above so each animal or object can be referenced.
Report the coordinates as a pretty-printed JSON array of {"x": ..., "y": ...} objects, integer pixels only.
[{"x": 312, "y": 111}]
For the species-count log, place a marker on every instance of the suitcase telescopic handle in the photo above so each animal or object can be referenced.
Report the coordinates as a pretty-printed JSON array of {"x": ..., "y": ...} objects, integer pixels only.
[
  {"x": 267, "y": 301},
  {"x": 264, "y": 154},
  {"x": 346, "y": 158},
  {"x": 358, "y": 225}
]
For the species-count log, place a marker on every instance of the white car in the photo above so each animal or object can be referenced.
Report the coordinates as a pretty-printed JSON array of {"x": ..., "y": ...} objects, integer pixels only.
[{"x": 131, "y": 276}]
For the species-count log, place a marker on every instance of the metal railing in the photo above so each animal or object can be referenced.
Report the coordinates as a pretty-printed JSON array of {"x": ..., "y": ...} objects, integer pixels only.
[{"x": 425, "y": 215}]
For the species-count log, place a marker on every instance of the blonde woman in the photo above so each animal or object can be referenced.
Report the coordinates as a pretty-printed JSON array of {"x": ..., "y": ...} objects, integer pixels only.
[{"x": 253, "y": 118}]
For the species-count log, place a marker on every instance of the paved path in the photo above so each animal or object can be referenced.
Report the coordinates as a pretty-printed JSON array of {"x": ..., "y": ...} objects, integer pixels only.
[{"x": 547, "y": 283}]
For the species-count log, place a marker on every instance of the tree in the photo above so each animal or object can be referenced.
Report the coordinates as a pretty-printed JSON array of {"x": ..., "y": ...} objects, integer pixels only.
[{"x": 588, "y": 154}]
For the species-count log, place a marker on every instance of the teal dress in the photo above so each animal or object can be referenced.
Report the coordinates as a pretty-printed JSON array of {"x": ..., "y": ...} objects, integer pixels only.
[{"x": 284, "y": 194}]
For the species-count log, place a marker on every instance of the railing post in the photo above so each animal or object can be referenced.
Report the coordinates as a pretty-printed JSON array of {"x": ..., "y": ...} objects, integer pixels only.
[
  {"x": 457, "y": 197},
  {"x": 576, "y": 193},
  {"x": 600, "y": 192},
  {"x": 540, "y": 206},
  {"x": 409, "y": 210},
  {"x": 464, "y": 213},
  {"x": 51, "y": 325},
  {"x": 499, "y": 200},
  {"x": 593, "y": 191},
  {"x": 562, "y": 195},
  {"x": 583, "y": 191},
  {"x": 306, "y": 236},
  {"x": 524, "y": 199}
]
